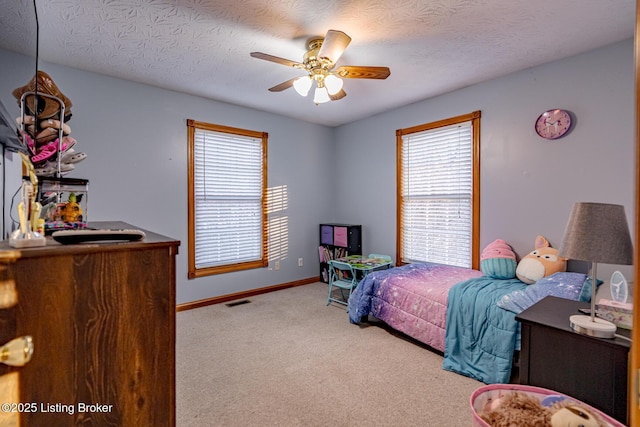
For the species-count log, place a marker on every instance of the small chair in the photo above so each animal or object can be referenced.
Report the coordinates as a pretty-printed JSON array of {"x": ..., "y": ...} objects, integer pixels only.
[{"x": 342, "y": 276}]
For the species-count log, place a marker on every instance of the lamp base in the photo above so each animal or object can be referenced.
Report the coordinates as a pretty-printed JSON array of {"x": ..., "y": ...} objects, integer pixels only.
[{"x": 598, "y": 328}]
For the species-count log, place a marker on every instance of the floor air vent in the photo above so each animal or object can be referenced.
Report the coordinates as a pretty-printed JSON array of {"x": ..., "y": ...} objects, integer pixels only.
[{"x": 236, "y": 303}]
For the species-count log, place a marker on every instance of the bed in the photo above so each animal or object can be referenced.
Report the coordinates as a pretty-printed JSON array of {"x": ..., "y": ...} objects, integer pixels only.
[
  {"x": 411, "y": 299},
  {"x": 467, "y": 316}
]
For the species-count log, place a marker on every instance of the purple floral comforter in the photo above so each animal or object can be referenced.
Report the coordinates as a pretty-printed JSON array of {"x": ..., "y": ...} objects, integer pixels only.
[{"x": 411, "y": 299}]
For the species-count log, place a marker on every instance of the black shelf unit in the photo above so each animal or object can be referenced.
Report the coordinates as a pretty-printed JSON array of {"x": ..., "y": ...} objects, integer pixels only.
[{"x": 337, "y": 240}]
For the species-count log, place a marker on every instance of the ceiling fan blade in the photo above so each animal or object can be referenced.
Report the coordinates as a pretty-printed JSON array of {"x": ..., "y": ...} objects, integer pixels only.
[
  {"x": 275, "y": 59},
  {"x": 284, "y": 85},
  {"x": 341, "y": 94},
  {"x": 334, "y": 44},
  {"x": 356, "y": 72}
]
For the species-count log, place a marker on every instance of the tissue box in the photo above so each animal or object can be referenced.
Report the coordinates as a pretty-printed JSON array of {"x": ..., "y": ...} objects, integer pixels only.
[{"x": 618, "y": 313}]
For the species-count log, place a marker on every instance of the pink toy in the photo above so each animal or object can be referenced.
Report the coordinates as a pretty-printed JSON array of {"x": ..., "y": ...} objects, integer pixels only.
[{"x": 48, "y": 151}]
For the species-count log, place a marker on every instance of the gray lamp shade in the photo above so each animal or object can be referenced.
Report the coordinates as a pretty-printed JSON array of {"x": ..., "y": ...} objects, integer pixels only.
[{"x": 597, "y": 232}]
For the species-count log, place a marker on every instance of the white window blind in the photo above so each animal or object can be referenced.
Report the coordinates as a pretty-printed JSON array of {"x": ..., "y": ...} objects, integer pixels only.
[
  {"x": 437, "y": 189},
  {"x": 228, "y": 192}
]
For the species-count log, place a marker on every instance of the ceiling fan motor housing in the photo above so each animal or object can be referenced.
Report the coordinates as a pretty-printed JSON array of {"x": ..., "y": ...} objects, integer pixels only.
[{"x": 312, "y": 63}]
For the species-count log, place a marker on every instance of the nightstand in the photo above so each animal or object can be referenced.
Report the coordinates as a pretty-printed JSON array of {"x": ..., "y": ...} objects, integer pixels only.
[{"x": 553, "y": 356}]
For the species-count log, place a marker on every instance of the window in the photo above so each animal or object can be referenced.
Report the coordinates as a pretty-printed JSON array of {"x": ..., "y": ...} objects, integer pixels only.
[
  {"x": 439, "y": 192},
  {"x": 227, "y": 199}
]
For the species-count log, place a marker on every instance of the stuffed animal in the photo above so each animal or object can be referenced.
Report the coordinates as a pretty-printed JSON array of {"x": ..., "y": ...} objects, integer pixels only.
[
  {"x": 541, "y": 262},
  {"x": 567, "y": 413},
  {"x": 524, "y": 410},
  {"x": 498, "y": 260},
  {"x": 517, "y": 409}
]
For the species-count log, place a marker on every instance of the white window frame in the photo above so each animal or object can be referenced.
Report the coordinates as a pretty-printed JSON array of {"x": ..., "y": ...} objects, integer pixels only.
[
  {"x": 429, "y": 228},
  {"x": 237, "y": 238}
]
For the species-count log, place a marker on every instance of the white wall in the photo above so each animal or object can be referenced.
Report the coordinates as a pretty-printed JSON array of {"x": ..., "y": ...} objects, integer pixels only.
[
  {"x": 135, "y": 137},
  {"x": 528, "y": 185},
  {"x": 136, "y": 140}
]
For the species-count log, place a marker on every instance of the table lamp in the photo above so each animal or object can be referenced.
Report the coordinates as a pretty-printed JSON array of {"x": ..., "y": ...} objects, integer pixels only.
[{"x": 598, "y": 233}]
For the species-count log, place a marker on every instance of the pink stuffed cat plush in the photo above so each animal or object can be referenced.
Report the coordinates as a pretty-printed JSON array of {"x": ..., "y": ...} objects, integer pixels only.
[{"x": 541, "y": 262}]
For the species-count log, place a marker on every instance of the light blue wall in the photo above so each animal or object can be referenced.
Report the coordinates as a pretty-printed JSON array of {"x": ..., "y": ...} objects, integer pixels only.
[
  {"x": 135, "y": 136},
  {"x": 136, "y": 140},
  {"x": 528, "y": 185}
]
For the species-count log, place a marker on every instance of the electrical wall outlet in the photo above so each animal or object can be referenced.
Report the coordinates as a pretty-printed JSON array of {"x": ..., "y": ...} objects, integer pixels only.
[
  {"x": 300, "y": 263},
  {"x": 276, "y": 265}
]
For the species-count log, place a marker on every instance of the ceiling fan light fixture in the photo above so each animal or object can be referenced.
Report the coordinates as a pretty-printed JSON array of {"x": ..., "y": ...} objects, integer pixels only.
[
  {"x": 333, "y": 84},
  {"x": 333, "y": 45},
  {"x": 302, "y": 85},
  {"x": 321, "y": 95}
]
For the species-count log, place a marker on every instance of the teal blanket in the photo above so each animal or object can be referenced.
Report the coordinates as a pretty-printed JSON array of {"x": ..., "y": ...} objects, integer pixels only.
[{"x": 481, "y": 337}]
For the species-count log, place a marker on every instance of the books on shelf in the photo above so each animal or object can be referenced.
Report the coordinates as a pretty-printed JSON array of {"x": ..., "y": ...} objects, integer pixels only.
[{"x": 326, "y": 254}]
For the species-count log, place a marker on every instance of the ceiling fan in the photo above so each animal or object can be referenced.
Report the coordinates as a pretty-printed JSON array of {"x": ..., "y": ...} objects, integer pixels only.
[{"x": 319, "y": 62}]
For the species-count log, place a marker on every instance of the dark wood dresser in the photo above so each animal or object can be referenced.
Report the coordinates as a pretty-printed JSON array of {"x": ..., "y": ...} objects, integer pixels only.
[
  {"x": 102, "y": 319},
  {"x": 553, "y": 356}
]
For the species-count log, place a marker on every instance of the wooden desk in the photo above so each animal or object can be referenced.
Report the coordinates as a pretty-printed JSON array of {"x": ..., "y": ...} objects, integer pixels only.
[{"x": 553, "y": 356}]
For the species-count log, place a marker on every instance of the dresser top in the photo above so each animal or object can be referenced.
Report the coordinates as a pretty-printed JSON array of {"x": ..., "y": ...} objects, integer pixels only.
[{"x": 8, "y": 253}]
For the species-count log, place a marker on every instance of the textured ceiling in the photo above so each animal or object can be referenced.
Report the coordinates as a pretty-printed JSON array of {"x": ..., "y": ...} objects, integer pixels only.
[{"x": 202, "y": 47}]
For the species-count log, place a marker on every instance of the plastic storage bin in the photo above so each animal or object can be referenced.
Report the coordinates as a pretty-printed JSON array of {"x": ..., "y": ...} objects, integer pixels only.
[
  {"x": 64, "y": 203},
  {"x": 485, "y": 394}
]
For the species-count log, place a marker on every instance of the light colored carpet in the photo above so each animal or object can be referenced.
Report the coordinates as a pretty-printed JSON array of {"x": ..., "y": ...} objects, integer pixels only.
[{"x": 287, "y": 359}]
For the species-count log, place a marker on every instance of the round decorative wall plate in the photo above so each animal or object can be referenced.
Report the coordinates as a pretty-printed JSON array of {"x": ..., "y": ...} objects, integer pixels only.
[{"x": 553, "y": 124}]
